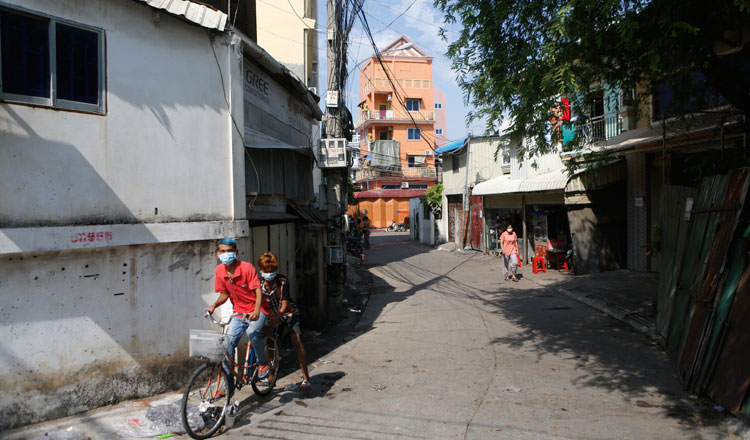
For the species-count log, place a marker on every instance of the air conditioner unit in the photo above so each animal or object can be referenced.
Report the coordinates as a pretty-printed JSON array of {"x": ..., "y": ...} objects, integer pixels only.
[
  {"x": 404, "y": 185},
  {"x": 428, "y": 152},
  {"x": 332, "y": 153},
  {"x": 389, "y": 98}
]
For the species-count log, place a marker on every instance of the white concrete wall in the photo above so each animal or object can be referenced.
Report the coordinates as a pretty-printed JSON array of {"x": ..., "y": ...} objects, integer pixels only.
[
  {"x": 425, "y": 234},
  {"x": 108, "y": 222},
  {"x": 158, "y": 154}
]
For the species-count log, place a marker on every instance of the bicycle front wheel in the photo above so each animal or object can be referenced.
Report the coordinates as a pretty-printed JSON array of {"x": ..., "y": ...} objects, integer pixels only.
[
  {"x": 264, "y": 386},
  {"x": 205, "y": 401}
]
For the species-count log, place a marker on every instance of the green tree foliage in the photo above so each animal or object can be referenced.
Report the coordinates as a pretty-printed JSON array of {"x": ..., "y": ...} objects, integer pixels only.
[
  {"x": 514, "y": 58},
  {"x": 433, "y": 198}
]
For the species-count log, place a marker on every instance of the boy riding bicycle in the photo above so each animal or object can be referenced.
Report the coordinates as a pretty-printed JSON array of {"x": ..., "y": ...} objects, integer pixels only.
[{"x": 237, "y": 281}]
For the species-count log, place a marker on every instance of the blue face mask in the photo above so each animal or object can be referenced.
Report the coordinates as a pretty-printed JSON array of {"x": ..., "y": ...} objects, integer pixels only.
[
  {"x": 268, "y": 276},
  {"x": 227, "y": 257}
]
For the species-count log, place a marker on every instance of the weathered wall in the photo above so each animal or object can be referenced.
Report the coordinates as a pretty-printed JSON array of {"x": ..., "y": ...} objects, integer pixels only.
[
  {"x": 86, "y": 328},
  {"x": 162, "y": 134},
  {"x": 108, "y": 222}
]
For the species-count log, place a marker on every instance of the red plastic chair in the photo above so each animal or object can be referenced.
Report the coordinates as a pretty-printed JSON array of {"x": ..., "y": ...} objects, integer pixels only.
[{"x": 538, "y": 265}]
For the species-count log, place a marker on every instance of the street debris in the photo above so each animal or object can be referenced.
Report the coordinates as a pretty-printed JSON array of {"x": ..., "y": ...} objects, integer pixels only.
[
  {"x": 301, "y": 403},
  {"x": 138, "y": 428},
  {"x": 378, "y": 387},
  {"x": 232, "y": 413},
  {"x": 512, "y": 388},
  {"x": 168, "y": 417},
  {"x": 291, "y": 387},
  {"x": 66, "y": 434}
]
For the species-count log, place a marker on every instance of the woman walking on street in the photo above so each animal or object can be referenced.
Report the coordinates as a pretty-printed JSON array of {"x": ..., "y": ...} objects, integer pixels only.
[
  {"x": 509, "y": 243},
  {"x": 275, "y": 288}
]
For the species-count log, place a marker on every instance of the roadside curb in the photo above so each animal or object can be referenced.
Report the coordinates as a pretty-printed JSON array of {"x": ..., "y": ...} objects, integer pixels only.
[{"x": 635, "y": 320}]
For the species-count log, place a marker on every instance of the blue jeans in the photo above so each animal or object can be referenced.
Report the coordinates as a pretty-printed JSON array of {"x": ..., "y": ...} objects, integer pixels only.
[{"x": 254, "y": 330}]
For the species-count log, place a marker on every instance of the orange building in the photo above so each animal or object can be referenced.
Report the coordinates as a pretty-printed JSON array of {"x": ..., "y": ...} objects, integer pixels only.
[{"x": 397, "y": 125}]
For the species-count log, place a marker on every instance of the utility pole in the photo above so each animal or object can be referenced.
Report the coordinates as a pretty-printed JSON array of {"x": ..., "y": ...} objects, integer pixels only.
[{"x": 336, "y": 177}]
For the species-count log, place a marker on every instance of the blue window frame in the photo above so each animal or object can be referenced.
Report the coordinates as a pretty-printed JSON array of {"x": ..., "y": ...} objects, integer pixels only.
[
  {"x": 50, "y": 62},
  {"x": 414, "y": 134},
  {"x": 438, "y": 105},
  {"x": 438, "y": 131},
  {"x": 412, "y": 105}
]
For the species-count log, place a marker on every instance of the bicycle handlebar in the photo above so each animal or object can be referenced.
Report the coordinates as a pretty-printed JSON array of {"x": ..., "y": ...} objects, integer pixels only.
[{"x": 221, "y": 324}]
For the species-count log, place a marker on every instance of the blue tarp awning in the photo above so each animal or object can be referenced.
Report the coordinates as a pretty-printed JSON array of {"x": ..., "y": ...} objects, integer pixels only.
[{"x": 452, "y": 146}]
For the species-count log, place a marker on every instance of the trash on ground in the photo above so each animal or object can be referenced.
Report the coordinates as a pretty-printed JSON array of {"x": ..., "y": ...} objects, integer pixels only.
[
  {"x": 66, "y": 434},
  {"x": 378, "y": 387},
  {"x": 291, "y": 387},
  {"x": 300, "y": 403},
  {"x": 232, "y": 412},
  {"x": 512, "y": 388},
  {"x": 169, "y": 417},
  {"x": 167, "y": 435},
  {"x": 139, "y": 428}
]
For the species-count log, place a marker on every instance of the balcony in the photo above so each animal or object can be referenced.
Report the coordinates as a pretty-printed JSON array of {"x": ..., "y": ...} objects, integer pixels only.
[
  {"x": 383, "y": 85},
  {"x": 369, "y": 173},
  {"x": 394, "y": 115},
  {"x": 599, "y": 128}
]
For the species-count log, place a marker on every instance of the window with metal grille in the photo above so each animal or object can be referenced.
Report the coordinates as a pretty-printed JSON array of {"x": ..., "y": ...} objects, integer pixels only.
[
  {"x": 414, "y": 134},
  {"x": 412, "y": 105}
]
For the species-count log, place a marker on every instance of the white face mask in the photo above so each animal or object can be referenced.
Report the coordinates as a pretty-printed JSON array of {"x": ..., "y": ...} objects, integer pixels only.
[{"x": 510, "y": 230}]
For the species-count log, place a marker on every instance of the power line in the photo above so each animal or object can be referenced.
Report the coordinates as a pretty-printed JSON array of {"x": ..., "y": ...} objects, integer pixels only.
[
  {"x": 404, "y": 14},
  {"x": 386, "y": 70},
  {"x": 399, "y": 16}
]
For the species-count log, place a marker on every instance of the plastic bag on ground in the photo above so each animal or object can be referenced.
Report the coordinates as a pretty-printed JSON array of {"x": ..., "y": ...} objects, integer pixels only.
[{"x": 170, "y": 417}]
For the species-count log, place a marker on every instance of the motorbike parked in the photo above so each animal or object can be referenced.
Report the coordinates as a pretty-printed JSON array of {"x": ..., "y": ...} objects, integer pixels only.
[{"x": 355, "y": 245}]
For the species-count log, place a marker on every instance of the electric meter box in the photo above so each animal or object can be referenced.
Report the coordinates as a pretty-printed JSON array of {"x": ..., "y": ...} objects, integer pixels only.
[{"x": 332, "y": 153}]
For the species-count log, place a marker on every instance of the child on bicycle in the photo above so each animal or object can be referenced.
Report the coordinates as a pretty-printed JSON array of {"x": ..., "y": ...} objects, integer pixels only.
[
  {"x": 237, "y": 281},
  {"x": 275, "y": 288}
]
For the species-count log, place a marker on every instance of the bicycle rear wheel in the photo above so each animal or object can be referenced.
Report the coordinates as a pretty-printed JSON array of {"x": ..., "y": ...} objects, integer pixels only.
[
  {"x": 262, "y": 387},
  {"x": 205, "y": 401}
]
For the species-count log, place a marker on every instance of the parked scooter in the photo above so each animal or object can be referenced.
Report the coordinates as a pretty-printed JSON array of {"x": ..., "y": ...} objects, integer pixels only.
[
  {"x": 355, "y": 245},
  {"x": 391, "y": 227}
]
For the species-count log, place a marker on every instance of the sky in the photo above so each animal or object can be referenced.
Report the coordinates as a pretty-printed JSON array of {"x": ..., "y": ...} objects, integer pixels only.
[{"x": 421, "y": 23}]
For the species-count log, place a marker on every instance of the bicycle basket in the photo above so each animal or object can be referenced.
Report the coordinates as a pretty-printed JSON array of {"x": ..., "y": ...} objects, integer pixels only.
[{"x": 208, "y": 344}]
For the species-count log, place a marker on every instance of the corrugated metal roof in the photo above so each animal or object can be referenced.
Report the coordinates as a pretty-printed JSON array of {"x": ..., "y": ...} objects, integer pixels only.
[
  {"x": 389, "y": 193},
  {"x": 197, "y": 13},
  {"x": 452, "y": 146},
  {"x": 553, "y": 180}
]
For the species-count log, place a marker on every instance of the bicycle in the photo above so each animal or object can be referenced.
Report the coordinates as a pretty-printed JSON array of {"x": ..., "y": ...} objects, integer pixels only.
[{"x": 206, "y": 399}]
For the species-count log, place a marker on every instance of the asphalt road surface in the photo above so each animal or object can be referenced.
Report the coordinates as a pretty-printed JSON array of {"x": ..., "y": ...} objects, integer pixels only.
[{"x": 445, "y": 349}]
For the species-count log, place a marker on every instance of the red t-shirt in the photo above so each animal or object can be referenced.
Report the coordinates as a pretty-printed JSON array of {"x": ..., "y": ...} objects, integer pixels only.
[{"x": 241, "y": 288}]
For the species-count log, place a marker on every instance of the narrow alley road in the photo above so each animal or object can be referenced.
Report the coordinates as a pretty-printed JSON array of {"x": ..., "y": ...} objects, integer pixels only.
[{"x": 447, "y": 350}]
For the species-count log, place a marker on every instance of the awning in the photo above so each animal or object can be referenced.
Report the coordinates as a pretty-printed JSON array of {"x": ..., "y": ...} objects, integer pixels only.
[
  {"x": 309, "y": 213},
  {"x": 452, "y": 146},
  {"x": 550, "y": 181},
  {"x": 199, "y": 14},
  {"x": 258, "y": 139}
]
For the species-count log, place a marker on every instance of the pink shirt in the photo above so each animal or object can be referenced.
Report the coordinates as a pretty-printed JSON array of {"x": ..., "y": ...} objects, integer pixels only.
[{"x": 509, "y": 243}]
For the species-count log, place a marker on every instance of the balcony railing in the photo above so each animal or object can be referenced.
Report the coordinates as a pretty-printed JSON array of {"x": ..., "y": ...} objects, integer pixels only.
[
  {"x": 394, "y": 115},
  {"x": 599, "y": 128},
  {"x": 382, "y": 84},
  {"x": 369, "y": 173}
]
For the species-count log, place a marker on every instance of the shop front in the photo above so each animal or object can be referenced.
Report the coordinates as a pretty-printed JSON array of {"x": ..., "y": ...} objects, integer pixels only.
[{"x": 535, "y": 207}]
